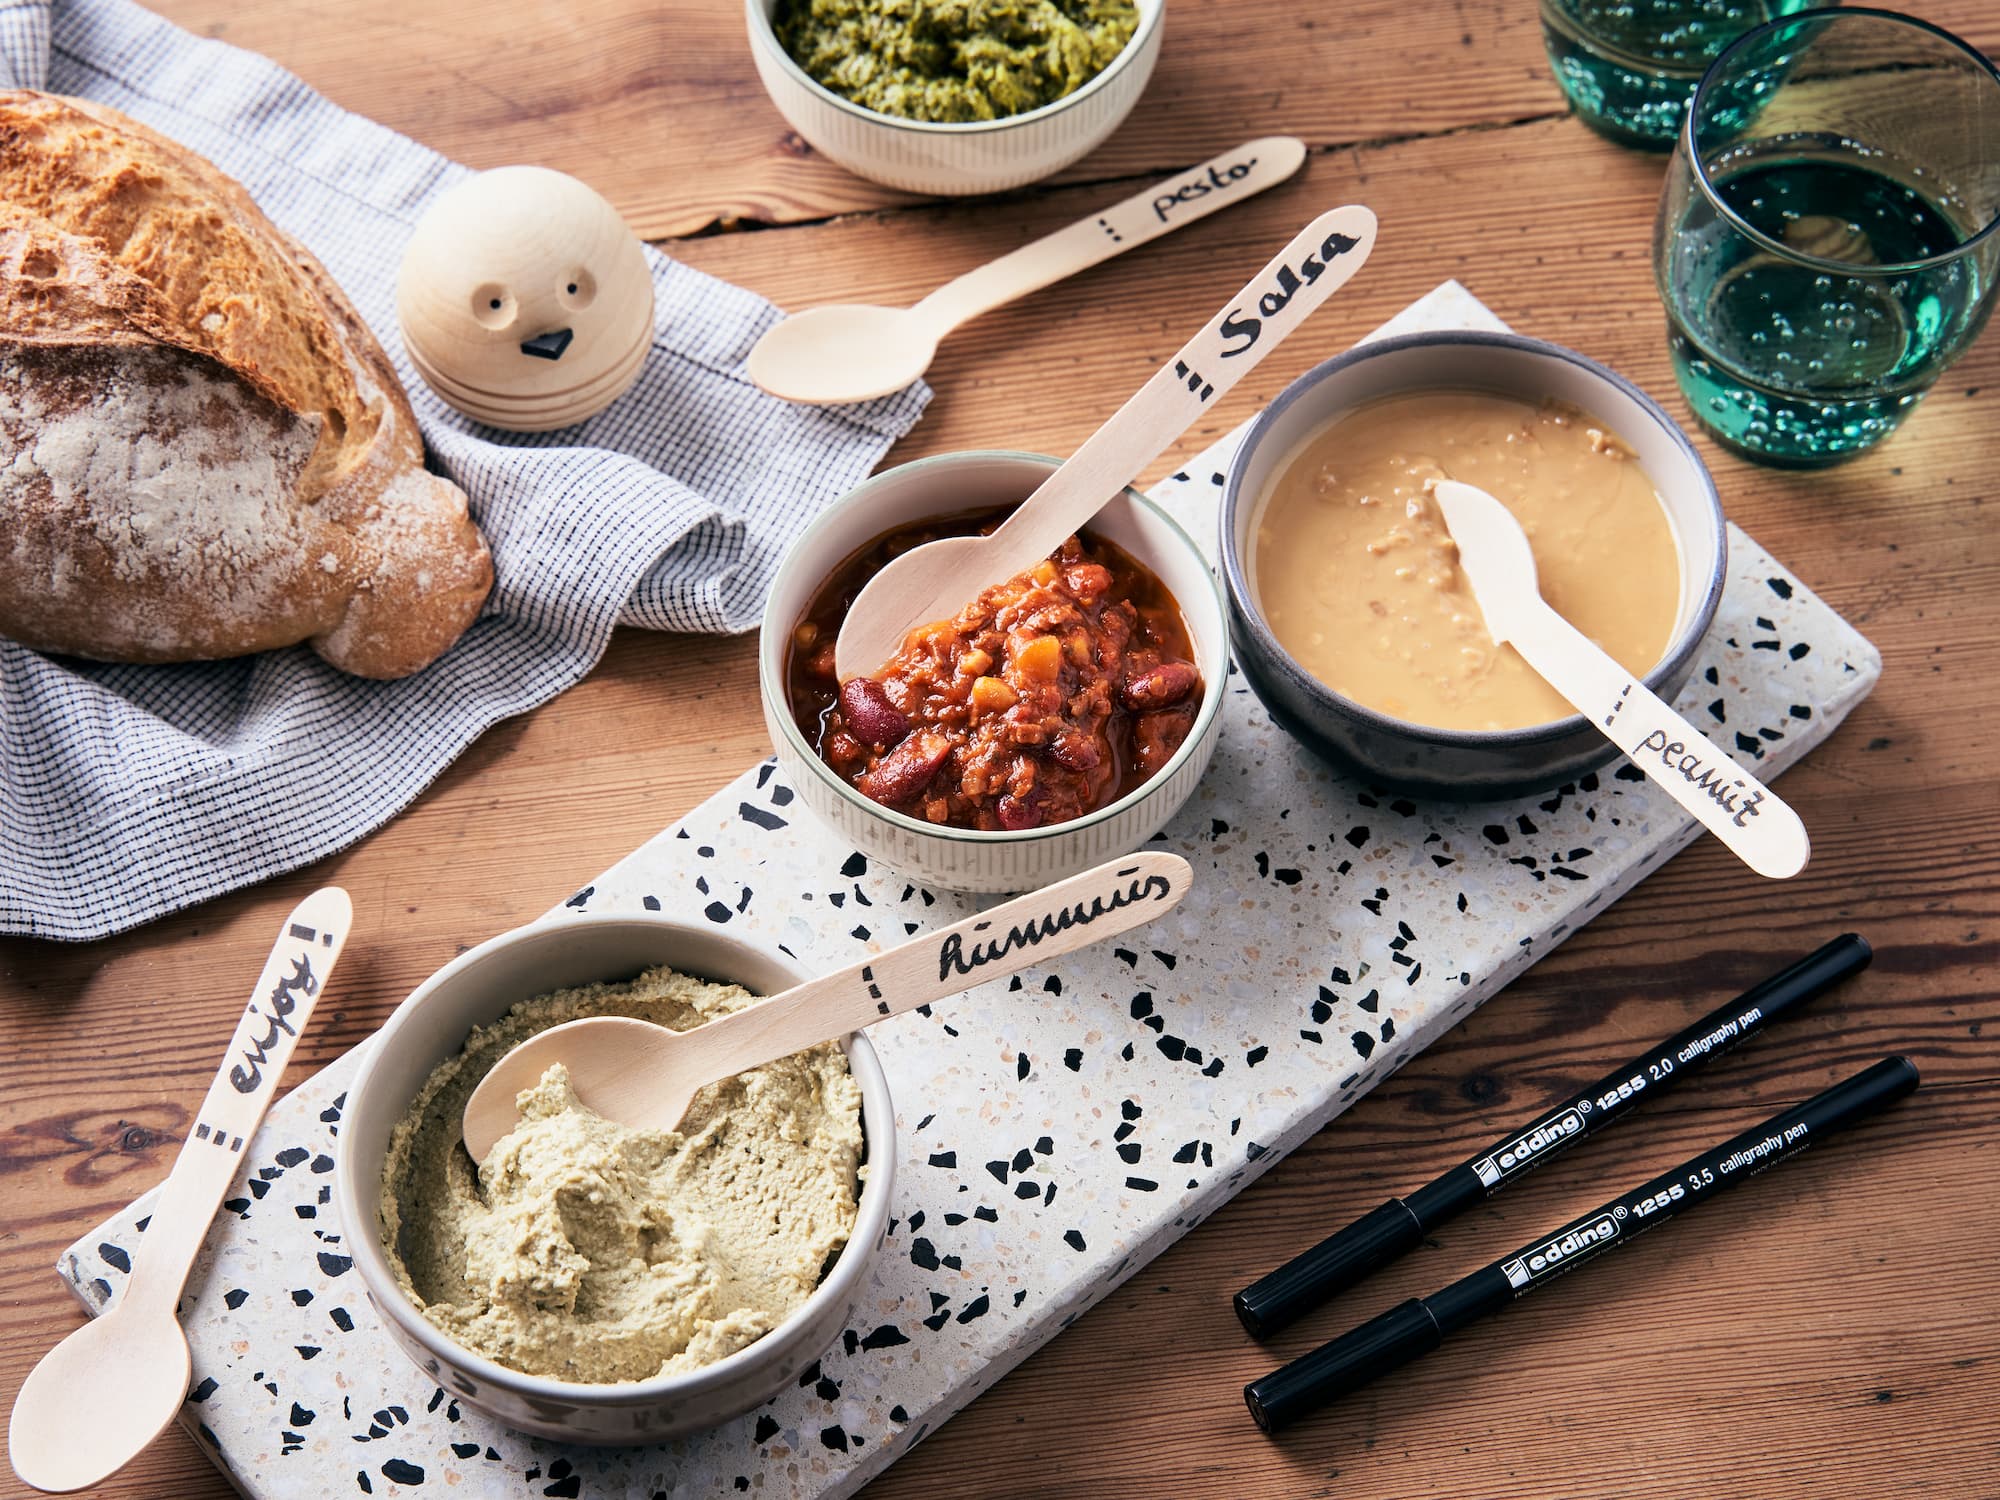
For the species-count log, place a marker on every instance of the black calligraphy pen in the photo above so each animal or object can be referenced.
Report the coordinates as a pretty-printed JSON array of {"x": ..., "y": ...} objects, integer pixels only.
[
  {"x": 1378, "y": 1237},
  {"x": 1418, "y": 1326}
]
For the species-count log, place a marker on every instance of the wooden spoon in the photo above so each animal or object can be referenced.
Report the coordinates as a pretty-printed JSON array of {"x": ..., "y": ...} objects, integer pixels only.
[
  {"x": 645, "y": 1075},
  {"x": 101, "y": 1395},
  {"x": 849, "y": 351},
  {"x": 1732, "y": 804},
  {"x": 933, "y": 581}
]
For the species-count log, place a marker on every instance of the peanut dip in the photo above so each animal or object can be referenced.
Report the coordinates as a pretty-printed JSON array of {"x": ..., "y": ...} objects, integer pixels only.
[
  {"x": 585, "y": 1250},
  {"x": 1358, "y": 576}
]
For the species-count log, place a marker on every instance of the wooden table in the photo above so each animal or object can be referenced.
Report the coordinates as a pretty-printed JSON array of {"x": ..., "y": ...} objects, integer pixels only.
[{"x": 1835, "y": 1330}]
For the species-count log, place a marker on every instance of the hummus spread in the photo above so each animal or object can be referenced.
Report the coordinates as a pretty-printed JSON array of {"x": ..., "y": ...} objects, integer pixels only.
[{"x": 586, "y": 1250}]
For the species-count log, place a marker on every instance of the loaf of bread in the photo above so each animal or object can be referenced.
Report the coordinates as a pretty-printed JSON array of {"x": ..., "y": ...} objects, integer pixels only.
[{"x": 203, "y": 451}]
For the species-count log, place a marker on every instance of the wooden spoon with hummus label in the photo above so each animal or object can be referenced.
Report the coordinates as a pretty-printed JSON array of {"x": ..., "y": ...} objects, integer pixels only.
[
  {"x": 101, "y": 1395},
  {"x": 934, "y": 581},
  {"x": 855, "y": 351},
  {"x": 1731, "y": 803},
  {"x": 645, "y": 1076}
]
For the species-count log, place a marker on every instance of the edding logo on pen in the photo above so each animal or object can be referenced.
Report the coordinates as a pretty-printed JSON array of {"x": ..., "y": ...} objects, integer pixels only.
[
  {"x": 282, "y": 1001},
  {"x": 1523, "y": 1151},
  {"x": 1237, "y": 324},
  {"x": 1216, "y": 180},
  {"x": 1550, "y": 1257},
  {"x": 953, "y": 954},
  {"x": 1676, "y": 756}
]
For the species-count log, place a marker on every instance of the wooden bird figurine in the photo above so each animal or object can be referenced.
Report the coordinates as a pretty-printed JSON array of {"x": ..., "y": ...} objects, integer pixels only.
[{"x": 525, "y": 301}]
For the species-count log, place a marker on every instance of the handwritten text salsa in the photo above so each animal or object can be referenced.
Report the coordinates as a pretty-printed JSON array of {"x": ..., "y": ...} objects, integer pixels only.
[{"x": 1048, "y": 697}]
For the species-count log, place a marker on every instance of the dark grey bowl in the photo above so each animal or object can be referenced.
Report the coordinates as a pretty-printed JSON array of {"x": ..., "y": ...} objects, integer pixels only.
[{"x": 1453, "y": 763}]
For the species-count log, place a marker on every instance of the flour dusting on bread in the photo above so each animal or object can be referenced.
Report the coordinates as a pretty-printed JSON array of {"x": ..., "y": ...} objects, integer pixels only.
[{"x": 203, "y": 452}]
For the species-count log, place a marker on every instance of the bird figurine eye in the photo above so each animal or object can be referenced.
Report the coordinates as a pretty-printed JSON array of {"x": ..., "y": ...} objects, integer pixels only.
[
  {"x": 493, "y": 306},
  {"x": 579, "y": 289}
]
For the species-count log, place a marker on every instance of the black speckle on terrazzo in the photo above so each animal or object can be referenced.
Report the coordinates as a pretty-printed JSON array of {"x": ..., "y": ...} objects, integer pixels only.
[
  {"x": 114, "y": 1257},
  {"x": 750, "y": 813},
  {"x": 402, "y": 1471}
]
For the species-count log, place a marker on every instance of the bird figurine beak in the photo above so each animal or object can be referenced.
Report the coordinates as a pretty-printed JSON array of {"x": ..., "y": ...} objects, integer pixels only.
[{"x": 548, "y": 345}]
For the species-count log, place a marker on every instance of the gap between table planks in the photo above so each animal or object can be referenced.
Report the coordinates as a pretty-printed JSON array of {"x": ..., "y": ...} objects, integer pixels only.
[{"x": 110, "y": 1043}]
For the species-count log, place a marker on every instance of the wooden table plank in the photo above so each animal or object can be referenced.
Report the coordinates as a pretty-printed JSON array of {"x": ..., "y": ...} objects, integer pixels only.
[
  {"x": 1604, "y": 1387},
  {"x": 658, "y": 105}
]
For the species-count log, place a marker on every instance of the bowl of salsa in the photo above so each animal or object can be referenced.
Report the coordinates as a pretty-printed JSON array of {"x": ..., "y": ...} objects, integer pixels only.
[{"x": 1056, "y": 720}]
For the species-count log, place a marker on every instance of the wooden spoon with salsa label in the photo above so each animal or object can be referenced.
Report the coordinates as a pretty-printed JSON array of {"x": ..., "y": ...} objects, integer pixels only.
[
  {"x": 644, "y": 1075},
  {"x": 931, "y": 582},
  {"x": 1678, "y": 758}
]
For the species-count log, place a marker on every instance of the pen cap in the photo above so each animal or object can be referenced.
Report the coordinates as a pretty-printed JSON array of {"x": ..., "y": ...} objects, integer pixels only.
[
  {"x": 1331, "y": 1266},
  {"x": 1378, "y": 1346}
]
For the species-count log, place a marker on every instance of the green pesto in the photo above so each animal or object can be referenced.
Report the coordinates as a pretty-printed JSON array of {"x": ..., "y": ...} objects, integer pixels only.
[{"x": 954, "y": 61}]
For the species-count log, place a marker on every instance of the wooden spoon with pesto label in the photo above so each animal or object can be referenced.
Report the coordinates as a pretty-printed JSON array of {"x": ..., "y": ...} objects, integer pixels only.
[
  {"x": 1731, "y": 803},
  {"x": 644, "y": 1075},
  {"x": 854, "y": 351},
  {"x": 101, "y": 1395},
  {"x": 934, "y": 581}
]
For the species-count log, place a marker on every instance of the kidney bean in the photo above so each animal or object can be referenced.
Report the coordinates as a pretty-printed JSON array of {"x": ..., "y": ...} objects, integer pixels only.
[
  {"x": 1077, "y": 751},
  {"x": 1156, "y": 736},
  {"x": 1159, "y": 687},
  {"x": 1017, "y": 813},
  {"x": 870, "y": 714},
  {"x": 904, "y": 771}
]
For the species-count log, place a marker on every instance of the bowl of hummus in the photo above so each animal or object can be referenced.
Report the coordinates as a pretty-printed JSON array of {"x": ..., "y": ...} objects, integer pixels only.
[
  {"x": 956, "y": 98},
  {"x": 592, "y": 1282}
]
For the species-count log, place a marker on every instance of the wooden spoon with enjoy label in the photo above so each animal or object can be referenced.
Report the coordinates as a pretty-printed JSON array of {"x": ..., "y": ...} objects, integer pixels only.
[
  {"x": 934, "y": 581},
  {"x": 854, "y": 351},
  {"x": 645, "y": 1076},
  {"x": 101, "y": 1395},
  {"x": 1732, "y": 804}
]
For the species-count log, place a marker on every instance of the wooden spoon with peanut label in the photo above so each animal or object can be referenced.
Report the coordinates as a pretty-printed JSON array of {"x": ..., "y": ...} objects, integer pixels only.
[
  {"x": 1727, "y": 800},
  {"x": 644, "y": 1075}
]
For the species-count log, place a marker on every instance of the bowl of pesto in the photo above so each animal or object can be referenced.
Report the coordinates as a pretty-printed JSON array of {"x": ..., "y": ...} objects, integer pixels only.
[{"x": 955, "y": 96}]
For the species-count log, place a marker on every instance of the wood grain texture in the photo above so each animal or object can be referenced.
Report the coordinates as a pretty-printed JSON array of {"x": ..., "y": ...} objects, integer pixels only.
[{"x": 1832, "y": 1331}]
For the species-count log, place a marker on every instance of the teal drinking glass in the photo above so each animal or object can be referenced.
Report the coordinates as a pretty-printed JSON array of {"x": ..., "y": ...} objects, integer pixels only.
[
  {"x": 1827, "y": 244},
  {"x": 1629, "y": 67}
]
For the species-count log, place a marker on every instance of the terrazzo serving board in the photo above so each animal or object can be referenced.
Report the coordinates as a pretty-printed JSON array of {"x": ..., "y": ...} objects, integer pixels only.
[{"x": 1054, "y": 1131}]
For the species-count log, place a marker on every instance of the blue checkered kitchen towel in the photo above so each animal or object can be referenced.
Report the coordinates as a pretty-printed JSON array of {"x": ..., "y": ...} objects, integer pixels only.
[{"x": 130, "y": 792}]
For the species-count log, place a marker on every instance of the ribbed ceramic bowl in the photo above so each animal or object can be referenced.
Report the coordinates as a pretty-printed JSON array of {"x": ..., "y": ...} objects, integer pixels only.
[
  {"x": 431, "y": 1025},
  {"x": 964, "y": 859},
  {"x": 1418, "y": 757},
  {"x": 988, "y": 156}
]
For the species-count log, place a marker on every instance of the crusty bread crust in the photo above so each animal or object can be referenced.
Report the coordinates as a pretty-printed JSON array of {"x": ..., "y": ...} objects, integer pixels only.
[{"x": 203, "y": 451}]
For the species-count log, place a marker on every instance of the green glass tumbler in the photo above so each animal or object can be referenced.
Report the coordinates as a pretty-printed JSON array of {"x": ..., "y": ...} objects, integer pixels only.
[
  {"x": 1826, "y": 244},
  {"x": 1629, "y": 67}
]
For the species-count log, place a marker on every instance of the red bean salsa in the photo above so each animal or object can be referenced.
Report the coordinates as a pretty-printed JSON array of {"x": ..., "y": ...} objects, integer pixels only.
[{"x": 1047, "y": 697}]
